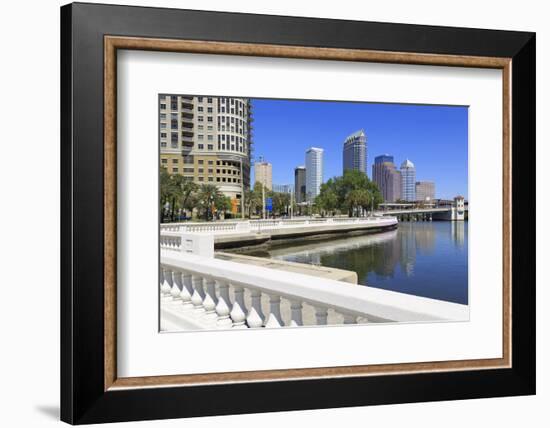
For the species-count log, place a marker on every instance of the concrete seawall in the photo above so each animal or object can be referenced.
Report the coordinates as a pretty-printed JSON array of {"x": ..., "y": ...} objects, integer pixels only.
[{"x": 283, "y": 235}]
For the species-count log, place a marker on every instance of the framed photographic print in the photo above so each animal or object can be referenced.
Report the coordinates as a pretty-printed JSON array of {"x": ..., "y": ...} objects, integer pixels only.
[{"x": 266, "y": 213}]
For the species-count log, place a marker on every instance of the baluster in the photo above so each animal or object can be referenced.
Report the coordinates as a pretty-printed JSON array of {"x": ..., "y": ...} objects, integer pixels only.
[
  {"x": 198, "y": 295},
  {"x": 209, "y": 301},
  {"x": 350, "y": 319},
  {"x": 255, "y": 316},
  {"x": 167, "y": 284},
  {"x": 161, "y": 278},
  {"x": 176, "y": 280},
  {"x": 186, "y": 290},
  {"x": 274, "y": 320},
  {"x": 222, "y": 308},
  {"x": 321, "y": 315},
  {"x": 237, "y": 312},
  {"x": 296, "y": 313}
]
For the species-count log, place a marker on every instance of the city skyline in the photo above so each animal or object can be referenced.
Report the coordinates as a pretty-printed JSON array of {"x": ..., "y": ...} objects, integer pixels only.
[{"x": 434, "y": 138}]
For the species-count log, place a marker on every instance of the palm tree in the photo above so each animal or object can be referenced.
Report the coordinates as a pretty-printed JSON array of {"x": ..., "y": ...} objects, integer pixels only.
[{"x": 208, "y": 195}]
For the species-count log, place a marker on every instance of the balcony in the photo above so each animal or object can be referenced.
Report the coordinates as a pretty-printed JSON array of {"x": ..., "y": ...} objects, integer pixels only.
[
  {"x": 187, "y": 124},
  {"x": 186, "y": 104},
  {"x": 187, "y": 113}
]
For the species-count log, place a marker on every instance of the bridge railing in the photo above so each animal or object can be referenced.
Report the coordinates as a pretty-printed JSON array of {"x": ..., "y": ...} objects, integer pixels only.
[{"x": 209, "y": 293}]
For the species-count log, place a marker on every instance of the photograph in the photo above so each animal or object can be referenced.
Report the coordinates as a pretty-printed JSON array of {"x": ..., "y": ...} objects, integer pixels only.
[{"x": 290, "y": 213}]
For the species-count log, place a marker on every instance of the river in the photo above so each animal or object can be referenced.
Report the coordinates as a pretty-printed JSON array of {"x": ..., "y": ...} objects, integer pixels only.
[{"x": 428, "y": 259}]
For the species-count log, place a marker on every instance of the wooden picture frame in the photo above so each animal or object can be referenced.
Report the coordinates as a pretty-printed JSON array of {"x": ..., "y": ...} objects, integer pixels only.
[{"x": 91, "y": 390}]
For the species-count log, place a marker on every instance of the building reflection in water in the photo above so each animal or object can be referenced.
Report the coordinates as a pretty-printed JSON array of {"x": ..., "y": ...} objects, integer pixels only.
[{"x": 422, "y": 258}]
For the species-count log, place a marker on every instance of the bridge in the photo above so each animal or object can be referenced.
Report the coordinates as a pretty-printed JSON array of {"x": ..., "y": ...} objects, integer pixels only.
[{"x": 456, "y": 211}]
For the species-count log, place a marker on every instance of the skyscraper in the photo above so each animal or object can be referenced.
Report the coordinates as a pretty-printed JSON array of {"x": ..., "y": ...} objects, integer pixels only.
[
  {"x": 387, "y": 177},
  {"x": 207, "y": 140},
  {"x": 355, "y": 152},
  {"x": 282, "y": 188},
  {"x": 263, "y": 173},
  {"x": 300, "y": 184},
  {"x": 314, "y": 172},
  {"x": 408, "y": 181},
  {"x": 425, "y": 191}
]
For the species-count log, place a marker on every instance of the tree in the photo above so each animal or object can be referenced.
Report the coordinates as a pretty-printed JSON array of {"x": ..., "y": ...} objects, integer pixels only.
[
  {"x": 281, "y": 202},
  {"x": 327, "y": 200},
  {"x": 170, "y": 192},
  {"x": 208, "y": 196},
  {"x": 353, "y": 192}
]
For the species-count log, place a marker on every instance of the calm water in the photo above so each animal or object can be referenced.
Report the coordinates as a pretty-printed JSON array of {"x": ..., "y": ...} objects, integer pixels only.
[{"x": 427, "y": 259}]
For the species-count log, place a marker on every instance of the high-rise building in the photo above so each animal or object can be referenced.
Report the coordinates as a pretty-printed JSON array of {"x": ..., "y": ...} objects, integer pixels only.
[
  {"x": 263, "y": 173},
  {"x": 355, "y": 152},
  {"x": 314, "y": 172},
  {"x": 300, "y": 184},
  {"x": 282, "y": 188},
  {"x": 387, "y": 177},
  {"x": 207, "y": 140},
  {"x": 408, "y": 181},
  {"x": 425, "y": 191}
]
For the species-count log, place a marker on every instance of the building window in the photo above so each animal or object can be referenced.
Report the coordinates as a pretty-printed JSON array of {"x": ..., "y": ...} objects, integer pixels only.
[
  {"x": 188, "y": 170},
  {"x": 210, "y": 119},
  {"x": 210, "y": 138},
  {"x": 210, "y": 128},
  {"x": 211, "y": 147},
  {"x": 201, "y": 178},
  {"x": 164, "y": 161},
  {"x": 163, "y": 135},
  {"x": 163, "y": 116},
  {"x": 209, "y": 100},
  {"x": 163, "y": 144},
  {"x": 201, "y": 136},
  {"x": 209, "y": 110},
  {"x": 175, "y": 161},
  {"x": 200, "y": 127},
  {"x": 200, "y": 99},
  {"x": 210, "y": 171},
  {"x": 200, "y": 109},
  {"x": 201, "y": 170},
  {"x": 201, "y": 146},
  {"x": 163, "y": 106},
  {"x": 201, "y": 118},
  {"x": 210, "y": 179},
  {"x": 175, "y": 170},
  {"x": 174, "y": 124},
  {"x": 200, "y": 161},
  {"x": 163, "y": 126},
  {"x": 218, "y": 179}
]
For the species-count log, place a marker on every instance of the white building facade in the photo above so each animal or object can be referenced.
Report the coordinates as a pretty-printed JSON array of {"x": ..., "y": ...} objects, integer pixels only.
[
  {"x": 314, "y": 172},
  {"x": 408, "y": 181}
]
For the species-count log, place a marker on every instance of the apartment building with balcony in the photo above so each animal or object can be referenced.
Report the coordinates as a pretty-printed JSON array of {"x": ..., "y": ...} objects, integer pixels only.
[{"x": 207, "y": 139}]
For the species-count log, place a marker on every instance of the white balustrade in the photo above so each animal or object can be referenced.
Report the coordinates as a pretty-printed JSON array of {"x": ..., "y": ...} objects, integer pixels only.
[
  {"x": 238, "y": 314},
  {"x": 204, "y": 286},
  {"x": 171, "y": 231},
  {"x": 255, "y": 317},
  {"x": 274, "y": 319},
  {"x": 198, "y": 295},
  {"x": 222, "y": 308}
]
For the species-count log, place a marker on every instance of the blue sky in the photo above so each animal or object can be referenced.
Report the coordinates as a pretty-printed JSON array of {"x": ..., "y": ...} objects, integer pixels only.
[{"x": 434, "y": 138}]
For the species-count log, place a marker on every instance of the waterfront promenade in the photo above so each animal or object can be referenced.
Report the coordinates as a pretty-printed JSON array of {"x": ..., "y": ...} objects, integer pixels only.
[
  {"x": 229, "y": 234},
  {"x": 200, "y": 290}
]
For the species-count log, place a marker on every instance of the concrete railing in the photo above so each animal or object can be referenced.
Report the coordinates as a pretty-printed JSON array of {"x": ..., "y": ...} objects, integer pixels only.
[
  {"x": 269, "y": 224},
  {"x": 206, "y": 293}
]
